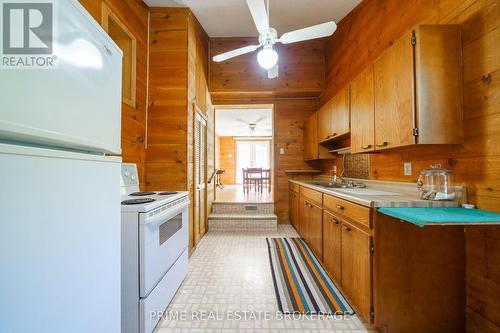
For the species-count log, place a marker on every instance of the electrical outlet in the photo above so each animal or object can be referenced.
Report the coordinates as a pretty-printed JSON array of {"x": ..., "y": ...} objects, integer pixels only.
[
  {"x": 407, "y": 168},
  {"x": 334, "y": 169},
  {"x": 282, "y": 151}
]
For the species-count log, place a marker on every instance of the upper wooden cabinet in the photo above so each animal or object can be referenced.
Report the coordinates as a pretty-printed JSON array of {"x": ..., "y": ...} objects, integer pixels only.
[
  {"x": 363, "y": 113},
  {"x": 418, "y": 89},
  {"x": 333, "y": 117},
  {"x": 340, "y": 121},
  {"x": 412, "y": 94},
  {"x": 311, "y": 149}
]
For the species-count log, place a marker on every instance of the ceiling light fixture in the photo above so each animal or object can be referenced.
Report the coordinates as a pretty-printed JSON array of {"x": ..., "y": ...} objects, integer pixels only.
[{"x": 267, "y": 57}]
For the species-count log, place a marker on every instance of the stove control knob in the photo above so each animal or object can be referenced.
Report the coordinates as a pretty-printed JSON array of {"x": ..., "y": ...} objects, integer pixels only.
[
  {"x": 133, "y": 177},
  {"x": 127, "y": 173}
]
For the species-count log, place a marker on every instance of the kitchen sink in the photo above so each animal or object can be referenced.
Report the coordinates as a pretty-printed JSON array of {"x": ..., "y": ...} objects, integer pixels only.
[
  {"x": 365, "y": 191},
  {"x": 330, "y": 185}
]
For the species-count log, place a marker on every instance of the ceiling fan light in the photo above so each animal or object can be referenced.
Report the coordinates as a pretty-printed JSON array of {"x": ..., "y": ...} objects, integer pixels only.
[{"x": 267, "y": 57}]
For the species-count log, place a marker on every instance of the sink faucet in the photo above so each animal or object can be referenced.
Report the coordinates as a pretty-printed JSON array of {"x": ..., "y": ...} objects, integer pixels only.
[{"x": 336, "y": 179}]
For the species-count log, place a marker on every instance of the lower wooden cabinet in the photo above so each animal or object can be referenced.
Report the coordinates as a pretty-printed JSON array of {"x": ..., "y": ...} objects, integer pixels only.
[
  {"x": 311, "y": 225},
  {"x": 357, "y": 267},
  {"x": 332, "y": 246},
  {"x": 294, "y": 209},
  {"x": 315, "y": 228}
]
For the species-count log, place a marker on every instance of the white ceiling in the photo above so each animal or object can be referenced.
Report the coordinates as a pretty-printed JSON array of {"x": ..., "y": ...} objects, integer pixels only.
[
  {"x": 231, "y": 18},
  {"x": 235, "y": 122}
]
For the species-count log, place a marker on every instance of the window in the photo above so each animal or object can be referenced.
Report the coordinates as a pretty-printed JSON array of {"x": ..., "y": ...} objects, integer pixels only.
[{"x": 253, "y": 154}]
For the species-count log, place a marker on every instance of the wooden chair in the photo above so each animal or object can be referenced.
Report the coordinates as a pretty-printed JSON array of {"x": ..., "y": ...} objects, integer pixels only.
[
  {"x": 266, "y": 179},
  {"x": 252, "y": 176}
]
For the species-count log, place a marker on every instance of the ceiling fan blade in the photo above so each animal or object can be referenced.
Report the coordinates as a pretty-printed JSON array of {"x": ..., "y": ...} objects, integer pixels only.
[
  {"x": 260, "y": 119},
  {"x": 273, "y": 72},
  {"x": 315, "y": 31},
  {"x": 259, "y": 14},
  {"x": 235, "y": 53}
]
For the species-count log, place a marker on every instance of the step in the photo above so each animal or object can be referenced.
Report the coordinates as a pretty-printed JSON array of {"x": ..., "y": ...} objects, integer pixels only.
[
  {"x": 242, "y": 208},
  {"x": 242, "y": 222}
]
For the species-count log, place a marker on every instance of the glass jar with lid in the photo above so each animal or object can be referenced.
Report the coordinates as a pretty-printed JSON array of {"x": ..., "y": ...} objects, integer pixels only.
[{"x": 436, "y": 183}]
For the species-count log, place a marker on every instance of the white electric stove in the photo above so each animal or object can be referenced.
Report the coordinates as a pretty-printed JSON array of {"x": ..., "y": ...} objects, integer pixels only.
[{"x": 154, "y": 251}]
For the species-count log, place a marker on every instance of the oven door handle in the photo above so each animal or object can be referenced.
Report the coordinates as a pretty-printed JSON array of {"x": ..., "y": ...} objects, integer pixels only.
[{"x": 165, "y": 215}]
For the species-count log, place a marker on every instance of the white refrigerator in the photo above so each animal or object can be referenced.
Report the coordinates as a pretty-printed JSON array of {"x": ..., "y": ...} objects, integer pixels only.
[{"x": 59, "y": 188}]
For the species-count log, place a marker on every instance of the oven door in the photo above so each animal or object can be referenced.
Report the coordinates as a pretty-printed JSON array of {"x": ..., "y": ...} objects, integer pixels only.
[{"x": 163, "y": 236}]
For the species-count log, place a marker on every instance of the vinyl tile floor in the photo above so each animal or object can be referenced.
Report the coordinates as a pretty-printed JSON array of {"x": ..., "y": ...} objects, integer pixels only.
[{"x": 229, "y": 288}]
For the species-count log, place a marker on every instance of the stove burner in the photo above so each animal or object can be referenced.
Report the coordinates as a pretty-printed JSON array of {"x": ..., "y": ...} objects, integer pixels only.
[
  {"x": 167, "y": 193},
  {"x": 137, "y": 201},
  {"x": 140, "y": 194}
]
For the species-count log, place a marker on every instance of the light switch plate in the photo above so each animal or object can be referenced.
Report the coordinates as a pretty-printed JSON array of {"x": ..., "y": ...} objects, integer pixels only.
[
  {"x": 407, "y": 168},
  {"x": 282, "y": 151}
]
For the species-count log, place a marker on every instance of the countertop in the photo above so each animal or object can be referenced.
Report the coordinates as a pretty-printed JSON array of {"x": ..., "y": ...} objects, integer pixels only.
[
  {"x": 382, "y": 194},
  {"x": 443, "y": 216}
]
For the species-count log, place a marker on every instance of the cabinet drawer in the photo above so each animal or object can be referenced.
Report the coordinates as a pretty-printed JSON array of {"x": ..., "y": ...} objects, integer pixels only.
[
  {"x": 348, "y": 209},
  {"x": 294, "y": 187},
  {"x": 311, "y": 195}
]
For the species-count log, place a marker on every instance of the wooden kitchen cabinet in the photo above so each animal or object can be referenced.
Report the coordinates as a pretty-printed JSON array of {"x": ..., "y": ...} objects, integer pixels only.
[
  {"x": 324, "y": 122},
  {"x": 418, "y": 89},
  {"x": 315, "y": 229},
  {"x": 332, "y": 246},
  {"x": 334, "y": 117},
  {"x": 311, "y": 219},
  {"x": 311, "y": 149},
  {"x": 363, "y": 113},
  {"x": 357, "y": 267},
  {"x": 294, "y": 209},
  {"x": 341, "y": 120}
]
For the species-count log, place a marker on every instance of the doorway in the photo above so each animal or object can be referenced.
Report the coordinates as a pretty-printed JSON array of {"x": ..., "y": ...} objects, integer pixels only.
[{"x": 244, "y": 139}]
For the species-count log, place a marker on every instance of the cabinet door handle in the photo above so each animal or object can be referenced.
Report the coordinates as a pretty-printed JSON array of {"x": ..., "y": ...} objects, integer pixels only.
[
  {"x": 340, "y": 207},
  {"x": 335, "y": 221},
  {"x": 334, "y": 134},
  {"x": 383, "y": 144},
  {"x": 327, "y": 137},
  {"x": 366, "y": 147},
  {"x": 347, "y": 228}
]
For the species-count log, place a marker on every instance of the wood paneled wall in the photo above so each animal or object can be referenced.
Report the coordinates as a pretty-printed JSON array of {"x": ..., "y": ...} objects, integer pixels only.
[
  {"x": 369, "y": 30},
  {"x": 134, "y": 14},
  {"x": 289, "y": 117},
  {"x": 227, "y": 151},
  {"x": 167, "y": 151},
  {"x": 178, "y": 82},
  {"x": 301, "y": 71}
]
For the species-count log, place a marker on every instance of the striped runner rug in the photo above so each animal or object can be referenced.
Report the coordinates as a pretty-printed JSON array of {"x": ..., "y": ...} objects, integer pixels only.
[{"x": 300, "y": 281}]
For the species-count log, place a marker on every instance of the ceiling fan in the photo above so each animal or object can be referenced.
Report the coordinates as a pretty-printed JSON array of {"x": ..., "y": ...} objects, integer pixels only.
[
  {"x": 268, "y": 57},
  {"x": 252, "y": 127}
]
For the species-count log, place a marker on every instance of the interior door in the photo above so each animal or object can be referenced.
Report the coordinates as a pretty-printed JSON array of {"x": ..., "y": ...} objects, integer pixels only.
[{"x": 200, "y": 177}]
